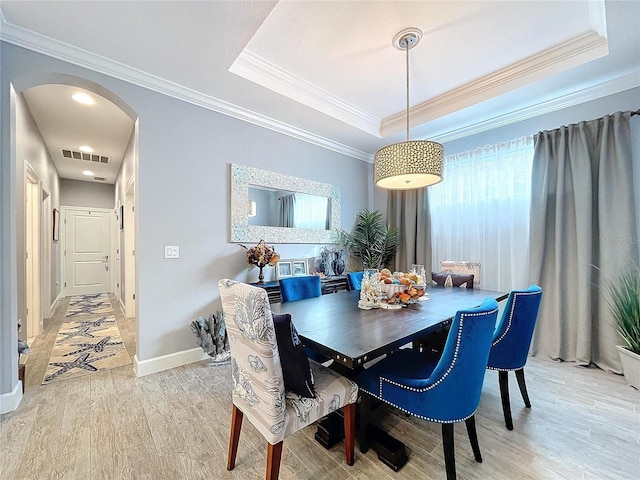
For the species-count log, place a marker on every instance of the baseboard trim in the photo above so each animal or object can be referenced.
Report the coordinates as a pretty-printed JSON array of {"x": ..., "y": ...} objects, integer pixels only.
[
  {"x": 10, "y": 401},
  {"x": 55, "y": 303},
  {"x": 166, "y": 362}
]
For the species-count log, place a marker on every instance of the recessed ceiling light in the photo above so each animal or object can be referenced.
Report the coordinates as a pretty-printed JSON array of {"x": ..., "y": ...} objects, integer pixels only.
[
  {"x": 83, "y": 98},
  {"x": 88, "y": 173},
  {"x": 86, "y": 149}
]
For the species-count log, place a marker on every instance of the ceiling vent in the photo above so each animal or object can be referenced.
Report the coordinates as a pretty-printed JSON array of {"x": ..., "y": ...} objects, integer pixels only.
[
  {"x": 100, "y": 179},
  {"x": 88, "y": 157}
]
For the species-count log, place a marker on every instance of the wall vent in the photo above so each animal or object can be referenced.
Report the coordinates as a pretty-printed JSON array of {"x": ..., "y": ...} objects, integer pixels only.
[
  {"x": 100, "y": 179},
  {"x": 88, "y": 157}
]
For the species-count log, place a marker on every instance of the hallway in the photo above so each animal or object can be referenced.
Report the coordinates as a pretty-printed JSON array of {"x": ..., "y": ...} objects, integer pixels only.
[{"x": 41, "y": 347}]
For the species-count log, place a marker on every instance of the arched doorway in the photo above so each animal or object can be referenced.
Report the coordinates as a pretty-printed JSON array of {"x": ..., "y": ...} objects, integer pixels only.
[{"x": 46, "y": 126}]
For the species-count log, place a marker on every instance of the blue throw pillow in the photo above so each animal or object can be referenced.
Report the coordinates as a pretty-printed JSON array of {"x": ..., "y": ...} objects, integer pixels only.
[{"x": 293, "y": 359}]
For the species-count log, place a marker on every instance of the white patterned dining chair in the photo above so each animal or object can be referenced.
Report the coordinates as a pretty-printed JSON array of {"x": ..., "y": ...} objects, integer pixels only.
[{"x": 258, "y": 384}]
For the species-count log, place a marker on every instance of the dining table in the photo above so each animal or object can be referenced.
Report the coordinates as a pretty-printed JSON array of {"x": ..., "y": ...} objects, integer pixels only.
[{"x": 335, "y": 327}]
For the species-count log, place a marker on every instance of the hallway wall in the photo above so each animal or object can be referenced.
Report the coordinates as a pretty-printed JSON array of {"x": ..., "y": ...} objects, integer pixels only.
[
  {"x": 182, "y": 195},
  {"x": 77, "y": 193}
]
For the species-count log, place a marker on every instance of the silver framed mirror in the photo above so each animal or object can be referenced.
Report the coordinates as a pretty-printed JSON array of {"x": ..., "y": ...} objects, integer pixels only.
[{"x": 279, "y": 208}]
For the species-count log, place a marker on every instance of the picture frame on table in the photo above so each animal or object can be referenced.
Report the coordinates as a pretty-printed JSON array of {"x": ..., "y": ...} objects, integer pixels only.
[
  {"x": 300, "y": 268},
  {"x": 284, "y": 269}
]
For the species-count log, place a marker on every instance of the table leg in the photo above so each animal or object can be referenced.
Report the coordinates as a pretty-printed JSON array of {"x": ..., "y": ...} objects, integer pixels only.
[{"x": 390, "y": 451}]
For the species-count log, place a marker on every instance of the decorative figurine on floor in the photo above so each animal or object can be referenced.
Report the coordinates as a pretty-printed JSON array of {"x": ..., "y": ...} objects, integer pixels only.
[{"x": 212, "y": 337}]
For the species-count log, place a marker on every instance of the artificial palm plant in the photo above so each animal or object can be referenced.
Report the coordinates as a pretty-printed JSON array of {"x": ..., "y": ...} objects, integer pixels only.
[
  {"x": 372, "y": 240},
  {"x": 624, "y": 302}
]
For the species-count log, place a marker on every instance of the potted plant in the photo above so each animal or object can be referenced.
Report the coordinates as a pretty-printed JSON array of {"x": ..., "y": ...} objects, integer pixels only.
[
  {"x": 372, "y": 240},
  {"x": 624, "y": 302}
]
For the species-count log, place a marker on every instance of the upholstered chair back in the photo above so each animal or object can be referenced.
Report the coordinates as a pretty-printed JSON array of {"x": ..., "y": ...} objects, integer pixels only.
[
  {"x": 299, "y": 288},
  {"x": 258, "y": 385},
  {"x": 453, "y": 388},
  {"x": 354, "y": 279},
  {"x": 512, "y": 337},
  {"x": 462, "y": 268}
]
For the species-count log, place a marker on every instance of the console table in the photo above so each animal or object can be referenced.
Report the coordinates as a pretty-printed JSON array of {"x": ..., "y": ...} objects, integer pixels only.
[
  {"x": 333, "y": 284},
  {"x": 273, "y": 290}
]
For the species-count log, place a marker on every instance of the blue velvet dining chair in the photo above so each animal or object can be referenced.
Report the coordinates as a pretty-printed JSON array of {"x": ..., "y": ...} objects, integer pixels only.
[
  {"x": 445, "y": 390},
  {"x": 299, "y": 288},
  {"x": 354, "y": 280},
  {"x": 511, "y": 342}
]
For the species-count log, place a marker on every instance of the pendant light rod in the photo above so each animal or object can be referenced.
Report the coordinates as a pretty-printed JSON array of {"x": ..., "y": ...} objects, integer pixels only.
[
  {"x": 406, "y": 49},
  {"x": 409, "y": 164}
]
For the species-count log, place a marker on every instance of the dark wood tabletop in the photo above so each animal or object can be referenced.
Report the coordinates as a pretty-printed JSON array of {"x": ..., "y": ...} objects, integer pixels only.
[{"x": 334, "y": 326}]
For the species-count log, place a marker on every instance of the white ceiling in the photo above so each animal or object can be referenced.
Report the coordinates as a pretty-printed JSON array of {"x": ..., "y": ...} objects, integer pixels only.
[{"x": 326, "y": 72}]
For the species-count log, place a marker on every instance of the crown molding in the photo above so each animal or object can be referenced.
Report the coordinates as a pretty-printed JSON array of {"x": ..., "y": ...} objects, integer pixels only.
[
  {"x": 258, "y": 70},
  {"x": 593, "y": 92},
  {"x": 572, "y": 53},
  {"x": 62, "y": 51}
]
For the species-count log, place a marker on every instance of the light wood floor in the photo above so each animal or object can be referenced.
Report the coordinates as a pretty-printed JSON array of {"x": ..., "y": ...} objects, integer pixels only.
[{"x": 584, "y": 424}]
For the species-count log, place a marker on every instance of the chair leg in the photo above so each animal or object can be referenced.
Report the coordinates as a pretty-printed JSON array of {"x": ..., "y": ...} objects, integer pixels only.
[
  {"x": 236, "y": 425},
  {"x": 473, "y": 437},
  {"x": 349, "y": 412},
  {"x": 503, "y": 378},
  {"x": 274, "y": 454},
  {"x": 365, "y": 412},
  {"x": 523, "y": 387},
  {"x": 449, "y": 451}
]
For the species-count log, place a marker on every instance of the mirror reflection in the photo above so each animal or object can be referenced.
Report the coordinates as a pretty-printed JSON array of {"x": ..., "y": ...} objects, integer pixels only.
[
  {"x": 262, "y": 201},
  {"x": 269, "y": 207}
]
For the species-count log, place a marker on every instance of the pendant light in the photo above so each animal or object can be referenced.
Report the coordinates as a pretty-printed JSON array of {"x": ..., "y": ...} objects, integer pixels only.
[{"x": 413, "y": 163}]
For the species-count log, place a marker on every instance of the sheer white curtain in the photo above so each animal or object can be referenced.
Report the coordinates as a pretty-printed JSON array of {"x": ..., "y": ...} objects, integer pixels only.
[
  {"x": 310, "y": 212},
  {"x": 480, "y": 212}
]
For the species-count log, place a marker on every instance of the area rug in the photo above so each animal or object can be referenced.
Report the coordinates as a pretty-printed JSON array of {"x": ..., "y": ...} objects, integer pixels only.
[
  {"x": 94, "y": 304},
  {"x": 87, "y": 344}
]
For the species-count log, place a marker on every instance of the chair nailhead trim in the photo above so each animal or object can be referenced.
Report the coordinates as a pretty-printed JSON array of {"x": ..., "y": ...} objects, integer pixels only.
[
  {"x": 416, "y": 414},
  {"x": 449, "y": 368},
  {"x": 513, "y": 307}
]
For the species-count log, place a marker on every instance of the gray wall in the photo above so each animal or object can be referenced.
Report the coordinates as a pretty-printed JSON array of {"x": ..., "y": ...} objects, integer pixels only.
[
  {"x": 30, "y": 148},
  {"x": 76, "y": 193},
  {"x": 182, "y": 195},
  {"x": 623, "y": 101}
]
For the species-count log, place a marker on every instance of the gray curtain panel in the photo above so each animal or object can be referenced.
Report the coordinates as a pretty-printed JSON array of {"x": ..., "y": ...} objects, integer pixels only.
[
  {"x": 287, "y": 208},
  {"x": 583, "y": 231},
  {"x": 408, "y": 211}
]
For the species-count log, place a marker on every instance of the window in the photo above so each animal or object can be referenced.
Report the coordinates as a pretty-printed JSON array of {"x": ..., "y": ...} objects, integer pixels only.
[{"x": 480, "y": 212}]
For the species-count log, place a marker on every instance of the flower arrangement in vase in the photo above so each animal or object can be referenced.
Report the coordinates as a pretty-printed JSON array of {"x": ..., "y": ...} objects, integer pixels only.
[{"x": 261, "y": 256}]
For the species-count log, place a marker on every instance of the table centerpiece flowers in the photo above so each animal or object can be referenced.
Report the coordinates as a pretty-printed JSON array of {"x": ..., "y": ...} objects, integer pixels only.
[{"x": 261, "y": 256}]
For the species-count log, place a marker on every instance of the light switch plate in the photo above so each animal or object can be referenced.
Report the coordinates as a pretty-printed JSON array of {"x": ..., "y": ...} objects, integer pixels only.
[{"x": 171, "y": 251}]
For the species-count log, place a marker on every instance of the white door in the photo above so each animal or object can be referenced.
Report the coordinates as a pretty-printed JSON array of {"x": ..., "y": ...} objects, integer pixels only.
[
  {"x": 34, "y": 318},
  {"x": 87, "y": 241}
]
